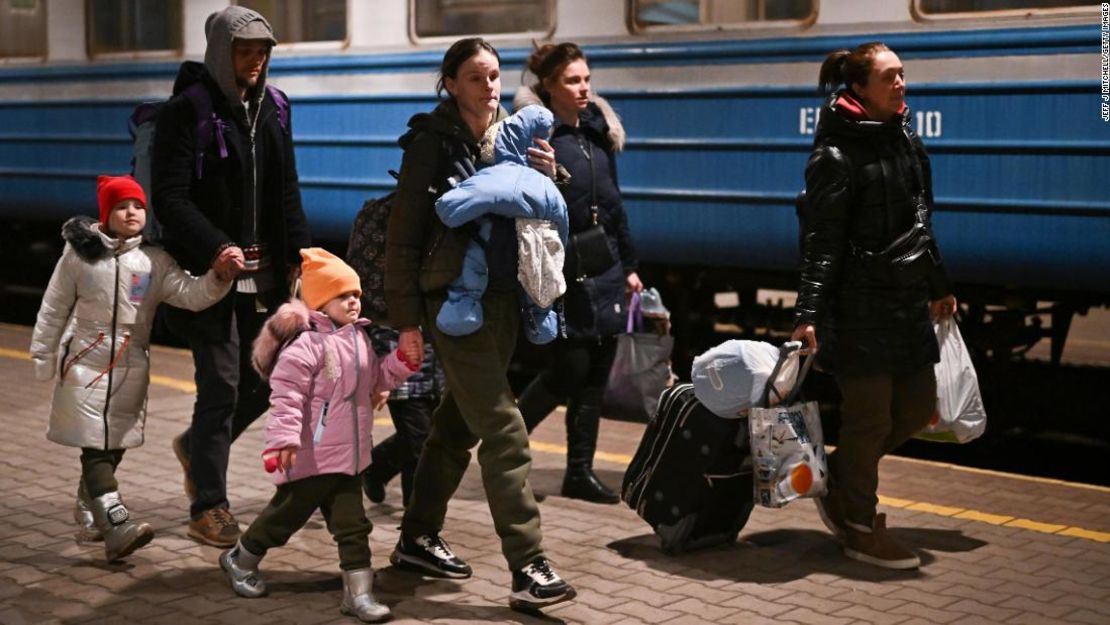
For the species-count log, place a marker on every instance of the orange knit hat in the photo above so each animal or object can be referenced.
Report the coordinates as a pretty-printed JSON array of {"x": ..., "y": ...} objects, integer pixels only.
[{"x": 325, "y": 276}]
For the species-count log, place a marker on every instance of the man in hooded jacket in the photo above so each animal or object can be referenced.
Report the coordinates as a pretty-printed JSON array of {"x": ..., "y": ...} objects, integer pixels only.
[{"x": 230, "y": 202}]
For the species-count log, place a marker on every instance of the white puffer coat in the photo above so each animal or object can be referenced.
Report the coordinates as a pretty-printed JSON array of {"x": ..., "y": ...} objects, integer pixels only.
[{"x": 93, "y": 330}]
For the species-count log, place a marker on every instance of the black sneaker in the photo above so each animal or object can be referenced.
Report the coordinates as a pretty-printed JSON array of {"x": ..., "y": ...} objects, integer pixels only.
[
  {"x": 375, "y": 490},
  {"x": 428, "y": 554},
  {"x": 536, "y": 586}
]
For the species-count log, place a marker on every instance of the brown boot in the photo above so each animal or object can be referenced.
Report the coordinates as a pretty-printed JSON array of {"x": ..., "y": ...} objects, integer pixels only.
[
  {"x": 183, "y": 458},
  {"x": 876, "y": 546},
  {"x": 216, "y": 527}
]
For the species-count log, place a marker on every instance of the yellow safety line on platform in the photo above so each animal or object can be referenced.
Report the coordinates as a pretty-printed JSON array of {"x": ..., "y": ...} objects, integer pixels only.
[
  {"x": 1014, "y": 476},
  {"x": 14, "y": 353},
  {"x": 893, "y": 502}
]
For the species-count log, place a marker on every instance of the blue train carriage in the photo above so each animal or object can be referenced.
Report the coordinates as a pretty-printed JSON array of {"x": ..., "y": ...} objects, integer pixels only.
[{"x": 718, "y": 98}]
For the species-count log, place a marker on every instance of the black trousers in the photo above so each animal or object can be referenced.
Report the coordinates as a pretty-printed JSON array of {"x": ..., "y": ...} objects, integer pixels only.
[
  {"x": 230, "y": 396},
  {"x": 578, "y": 374},
  {"x": 400, "y": 452},
  {"x": 98, "y": 470},
  {"x": 339, "y": 499}
]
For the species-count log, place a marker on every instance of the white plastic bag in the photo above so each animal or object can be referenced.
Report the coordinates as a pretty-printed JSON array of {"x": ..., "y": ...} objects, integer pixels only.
[
  {"x": 959, "y": 416},
  {"x": 788, "y": 451},
  {"x": 731, "y": 377}
]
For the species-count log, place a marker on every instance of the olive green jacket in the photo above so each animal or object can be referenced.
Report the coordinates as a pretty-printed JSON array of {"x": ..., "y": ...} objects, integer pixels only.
[{"x": 422, "y": 254}]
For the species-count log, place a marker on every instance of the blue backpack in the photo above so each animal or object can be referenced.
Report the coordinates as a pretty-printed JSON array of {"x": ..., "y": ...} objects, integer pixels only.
[{"x": 209, "y": 127}]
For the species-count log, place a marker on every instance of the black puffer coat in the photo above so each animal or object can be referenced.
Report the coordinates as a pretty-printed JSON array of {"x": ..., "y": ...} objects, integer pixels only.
[
  {"x": 594, "y": 307},
  {"x": 863, "y": 181}
]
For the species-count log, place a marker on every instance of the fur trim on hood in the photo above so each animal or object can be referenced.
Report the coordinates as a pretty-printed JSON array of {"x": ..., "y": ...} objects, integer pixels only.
[
  {"x": 78, "y": 232},
  {"x": 289, "y": 321},
  {"x": 526, "y": 96},
  {"x": 90, "y": 243}
]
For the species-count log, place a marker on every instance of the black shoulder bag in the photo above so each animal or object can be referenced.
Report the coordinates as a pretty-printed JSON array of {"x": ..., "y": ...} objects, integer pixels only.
[
  {"x": 591, "y": 246},
  {"x": 910, "y": 256}
]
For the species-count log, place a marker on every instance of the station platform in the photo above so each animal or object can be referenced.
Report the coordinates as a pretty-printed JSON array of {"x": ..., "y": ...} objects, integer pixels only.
[{"x": 996, "y": 548}]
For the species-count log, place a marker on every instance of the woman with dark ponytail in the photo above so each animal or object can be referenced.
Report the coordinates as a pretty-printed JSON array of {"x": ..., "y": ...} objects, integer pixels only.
[
  {"x": 872, "y": 280},
  {"x": 423, "y": 257},
  {"x": 587, "y": 137}
]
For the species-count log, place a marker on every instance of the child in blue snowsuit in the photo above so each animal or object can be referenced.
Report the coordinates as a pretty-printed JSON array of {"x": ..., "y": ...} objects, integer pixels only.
[{"x": 510, "y": 188}]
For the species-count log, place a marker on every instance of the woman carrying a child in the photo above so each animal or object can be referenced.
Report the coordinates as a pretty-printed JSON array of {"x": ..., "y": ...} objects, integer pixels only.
[
  {"x": 423, "y": 258},
  {"x": 587, "y": 137}
]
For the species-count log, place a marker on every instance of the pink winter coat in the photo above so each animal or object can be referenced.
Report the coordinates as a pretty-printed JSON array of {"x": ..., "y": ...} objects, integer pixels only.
[{"x": 322, "y": 384}]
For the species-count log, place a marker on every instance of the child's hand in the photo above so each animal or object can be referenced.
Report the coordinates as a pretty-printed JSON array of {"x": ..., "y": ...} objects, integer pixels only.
[
  {"x": 379, "y": 399},
  {"x": 287, "y": 457},
  {"x": 229, "y": 263},
  {"x": 411, "y": 344}
]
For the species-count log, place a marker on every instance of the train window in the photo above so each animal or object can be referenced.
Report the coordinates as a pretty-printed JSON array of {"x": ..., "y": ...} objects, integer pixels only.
[
  {"x": 116, "y": 26},
  {"x": 442, "y": 18},
  {"x": 656, "y": 14},
  {"x": 301, "y": 20},
  {"x": 22, "y": 28},
  {"x": 945, "y": 7}
]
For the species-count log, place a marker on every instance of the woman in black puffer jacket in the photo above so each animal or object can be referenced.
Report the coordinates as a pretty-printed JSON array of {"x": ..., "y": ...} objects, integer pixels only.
[
  {"x": 586, "y": 139},
  {"x": 872, "y": 279}
]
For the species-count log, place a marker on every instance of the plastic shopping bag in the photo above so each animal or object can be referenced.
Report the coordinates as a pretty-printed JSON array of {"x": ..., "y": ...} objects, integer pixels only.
[
  {"x": 641, "y": 369},
  {"x": 788, "y": 452},
  {"x": 732, "y": 377},
  {"x": 959, "y": 416}
]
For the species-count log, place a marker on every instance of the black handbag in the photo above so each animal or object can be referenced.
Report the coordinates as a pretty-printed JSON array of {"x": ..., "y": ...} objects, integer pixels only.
[
  {"x": 592, "y": 254},
  {"x": 911, "y": 256}
]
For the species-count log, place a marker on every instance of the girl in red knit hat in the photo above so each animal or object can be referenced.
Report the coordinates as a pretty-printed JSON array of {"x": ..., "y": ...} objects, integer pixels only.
[{"x": 93, "y": 333}]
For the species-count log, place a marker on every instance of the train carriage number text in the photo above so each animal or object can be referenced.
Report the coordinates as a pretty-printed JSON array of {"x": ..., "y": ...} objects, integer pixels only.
[{"x": 927, "y": 123}]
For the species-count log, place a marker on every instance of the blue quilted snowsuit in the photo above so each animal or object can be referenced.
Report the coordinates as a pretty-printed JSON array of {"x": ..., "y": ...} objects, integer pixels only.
[{"x": 510, "y": 188}]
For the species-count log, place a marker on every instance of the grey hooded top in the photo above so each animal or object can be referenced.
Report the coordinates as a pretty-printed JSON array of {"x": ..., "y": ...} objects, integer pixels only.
[{"x": 221, "y": 29}]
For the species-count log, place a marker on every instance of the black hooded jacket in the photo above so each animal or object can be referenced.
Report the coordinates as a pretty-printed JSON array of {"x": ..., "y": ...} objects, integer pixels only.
[
  {"x": 863, "y": 182},
  {"x": 422, "y": 253},
  {"x": 201, "y": 216}
]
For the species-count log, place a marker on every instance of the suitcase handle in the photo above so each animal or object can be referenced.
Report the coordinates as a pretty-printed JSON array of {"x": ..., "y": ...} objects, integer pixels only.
[{"x": 787, "y": 350}]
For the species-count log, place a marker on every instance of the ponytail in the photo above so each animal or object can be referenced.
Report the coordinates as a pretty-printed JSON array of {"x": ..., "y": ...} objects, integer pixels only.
[
  {"x": 549, "y": 60},
  {"x": 456, "y": 55},
  {"x": 848, "y": 67}
]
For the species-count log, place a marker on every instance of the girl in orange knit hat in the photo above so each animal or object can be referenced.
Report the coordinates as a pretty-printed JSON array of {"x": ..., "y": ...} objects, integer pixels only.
[
  {"x": 93, "y": 332},
  {"x": 324, "y": 381}
]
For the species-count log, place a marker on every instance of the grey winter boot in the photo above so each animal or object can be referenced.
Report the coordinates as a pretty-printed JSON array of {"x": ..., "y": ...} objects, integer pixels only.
[
  {"x": 241, "y": 569},
  {"x": 358, "y": 600},
  {"x": 87, "y": 531},
  {"x": 121, "y": 535}
]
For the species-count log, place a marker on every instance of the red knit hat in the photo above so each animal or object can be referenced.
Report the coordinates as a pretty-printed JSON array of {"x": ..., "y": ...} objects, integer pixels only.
[{"x": 111, "y": 190}]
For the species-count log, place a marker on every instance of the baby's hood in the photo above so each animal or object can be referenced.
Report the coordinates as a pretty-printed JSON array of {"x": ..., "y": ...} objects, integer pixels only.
[{"x": 508, "y": 140}]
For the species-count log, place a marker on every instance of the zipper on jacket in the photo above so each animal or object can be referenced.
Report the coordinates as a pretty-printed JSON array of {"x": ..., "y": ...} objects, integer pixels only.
[
  {"x": 112, "y": 353},
  {"x": 254, "y": 183},
  {"x": 588, "y": 150},
  {"x": 258, "y": 119},
  {"x": 354, "y": 401},
  {"x": 319, "y": 434}
]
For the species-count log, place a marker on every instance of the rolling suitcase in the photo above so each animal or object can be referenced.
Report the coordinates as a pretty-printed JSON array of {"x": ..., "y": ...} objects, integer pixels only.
[{"x": 691, "y": 478}]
